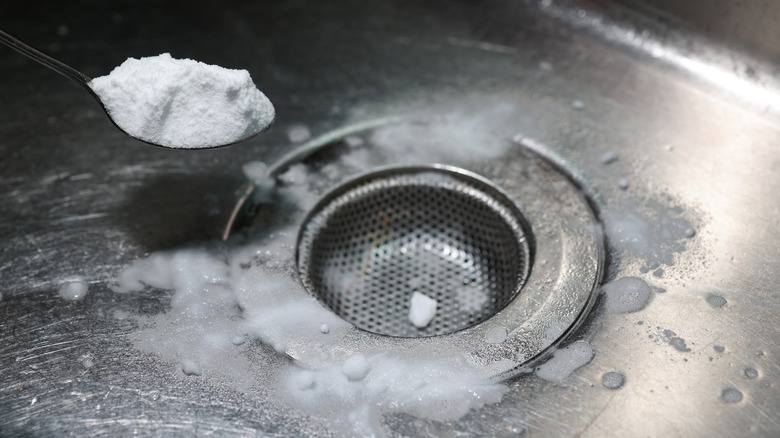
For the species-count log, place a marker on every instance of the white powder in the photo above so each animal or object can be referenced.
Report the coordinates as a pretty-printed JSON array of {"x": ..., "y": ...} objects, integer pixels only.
[
  {"x": 74, "y": 290},
  {"x": 422, "y": 309},
  {"x": 298, "y": 133},
  {"x": 182, "y": 103}
]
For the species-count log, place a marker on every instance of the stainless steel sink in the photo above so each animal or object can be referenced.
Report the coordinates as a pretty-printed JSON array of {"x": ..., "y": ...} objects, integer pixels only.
[{"x": 683, "y": 97}]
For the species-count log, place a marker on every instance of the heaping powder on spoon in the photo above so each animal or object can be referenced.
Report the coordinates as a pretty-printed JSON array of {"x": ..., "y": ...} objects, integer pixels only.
[{"x": 182, "y": 103}]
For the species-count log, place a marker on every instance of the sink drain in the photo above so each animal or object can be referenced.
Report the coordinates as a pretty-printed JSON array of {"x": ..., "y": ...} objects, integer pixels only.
[
  {"x": 440, "y": 231},
  {"x": 509, "y": 286}
]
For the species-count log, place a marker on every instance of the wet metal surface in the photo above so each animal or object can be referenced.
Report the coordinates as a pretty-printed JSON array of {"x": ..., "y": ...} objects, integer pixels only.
[{"x": 692, "y": 128}]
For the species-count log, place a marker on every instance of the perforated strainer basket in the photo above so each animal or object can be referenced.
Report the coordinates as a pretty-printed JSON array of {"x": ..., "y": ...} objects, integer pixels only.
[{"x": 449, "y": 234}]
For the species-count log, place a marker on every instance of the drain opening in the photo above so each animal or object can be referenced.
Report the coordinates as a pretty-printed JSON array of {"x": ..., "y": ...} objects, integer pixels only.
[{"x": 368, "y": 246}]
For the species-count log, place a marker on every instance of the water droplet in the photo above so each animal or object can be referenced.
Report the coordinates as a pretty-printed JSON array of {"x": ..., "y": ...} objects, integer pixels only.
[
  {"x": 610, "y": 157},
  {"x": 518, "y": 429},
  {"x": 496, "y": 335},
  {"x": 716, "y": 300},
  {"x": 679, "y": 344},
  {"x": 732, "y": 395},
  {"x": 87, "y": 361},
  {"x": 613, "y": 379},
  {"x": 719, "y": 348},
  {"x": 751, "y": 373}
]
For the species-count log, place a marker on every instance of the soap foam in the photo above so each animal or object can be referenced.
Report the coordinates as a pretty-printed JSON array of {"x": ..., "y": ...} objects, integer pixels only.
[
  {"x": 652, "y": 233},
  {"x": 565, "y": 361},
  {"x": 627, "y": 294},
  {"x": 252, "y": 292},
  {"x": 182, "y": 103}
]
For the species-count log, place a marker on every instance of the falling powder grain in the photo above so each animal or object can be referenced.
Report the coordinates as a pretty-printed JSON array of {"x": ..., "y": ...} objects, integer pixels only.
[{"x": 298, "y": 133}]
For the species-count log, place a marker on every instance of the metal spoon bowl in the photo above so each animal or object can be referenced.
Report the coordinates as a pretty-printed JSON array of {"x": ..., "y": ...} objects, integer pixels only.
[{"x": 83, "y": 80}]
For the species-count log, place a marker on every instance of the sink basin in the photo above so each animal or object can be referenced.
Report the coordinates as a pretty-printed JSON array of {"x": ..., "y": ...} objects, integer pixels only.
[{"x": 665, "y": 113}]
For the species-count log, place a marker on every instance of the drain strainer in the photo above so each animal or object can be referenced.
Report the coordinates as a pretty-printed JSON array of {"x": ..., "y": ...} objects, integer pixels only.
[
  {"x": 508, "y": 286},
  {"x": 368, "y": 246}
]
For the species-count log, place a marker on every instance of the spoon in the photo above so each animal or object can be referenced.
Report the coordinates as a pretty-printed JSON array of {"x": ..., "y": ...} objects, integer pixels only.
[{"x": 84, "y": 81}]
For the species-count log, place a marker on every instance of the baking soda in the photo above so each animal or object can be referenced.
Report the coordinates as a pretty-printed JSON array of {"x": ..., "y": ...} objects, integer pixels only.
[{"x": 182, "y": 103}]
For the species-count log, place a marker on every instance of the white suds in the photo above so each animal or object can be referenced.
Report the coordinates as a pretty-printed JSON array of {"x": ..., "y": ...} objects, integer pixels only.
[
  {"x": 652, "y": 233},
  {"x": 182, "y": 103},
  {"x": 627, "y": 294},
  {"x": 422, "y": 309},
  {"x": 565, "y": 361},
  {"x": 356, "y": 367},
  {"x": 437, "y": 389},
  {"x": 73, "y": 290},
  {"x": 190, "y": 368},
  {"x": 215, "y": 300}
]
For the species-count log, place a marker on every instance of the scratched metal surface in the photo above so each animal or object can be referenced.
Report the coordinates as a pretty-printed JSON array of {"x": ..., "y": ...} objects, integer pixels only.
[{"x": 696, "y": 128}]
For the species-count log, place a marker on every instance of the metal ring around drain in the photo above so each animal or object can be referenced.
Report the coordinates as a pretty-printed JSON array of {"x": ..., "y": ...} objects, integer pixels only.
[{"x": 560, "y": 286}]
